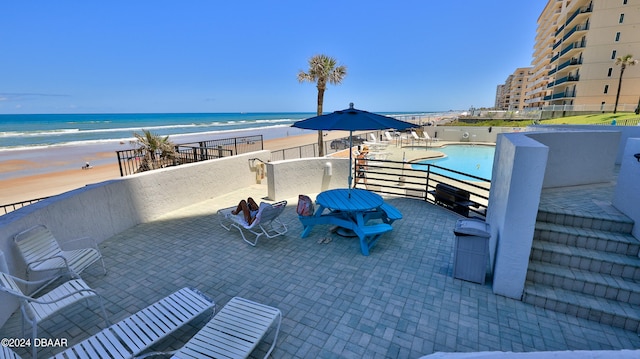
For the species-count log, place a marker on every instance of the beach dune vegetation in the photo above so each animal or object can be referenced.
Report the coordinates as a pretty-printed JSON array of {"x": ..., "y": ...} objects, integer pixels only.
[
  {"x": 323, "y": 69},
  {"x": 156, "y": 151}
]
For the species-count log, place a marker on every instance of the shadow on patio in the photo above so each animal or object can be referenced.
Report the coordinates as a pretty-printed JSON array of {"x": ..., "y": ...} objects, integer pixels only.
[{"x": 399, "y": 302}]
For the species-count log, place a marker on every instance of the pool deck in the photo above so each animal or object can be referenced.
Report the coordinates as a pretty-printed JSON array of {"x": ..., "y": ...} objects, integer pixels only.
[{"x": 400, "y": 302}]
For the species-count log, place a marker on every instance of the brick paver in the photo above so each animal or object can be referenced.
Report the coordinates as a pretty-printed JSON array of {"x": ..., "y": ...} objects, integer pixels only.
[{"x": 399, "y": 302}]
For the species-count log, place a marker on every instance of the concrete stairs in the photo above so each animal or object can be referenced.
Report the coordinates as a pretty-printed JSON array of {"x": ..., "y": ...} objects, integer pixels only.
[{"x": 586, "y": 264}]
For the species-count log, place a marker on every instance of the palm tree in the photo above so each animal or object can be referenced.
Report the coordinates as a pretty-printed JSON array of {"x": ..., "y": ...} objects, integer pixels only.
[
  {"x": 624, "y": 61},
  {"x": 322, "y": 69},
  {"x": 154, "y": 149}
]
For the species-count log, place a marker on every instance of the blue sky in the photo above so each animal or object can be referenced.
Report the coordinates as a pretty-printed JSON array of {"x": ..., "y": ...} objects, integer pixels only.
[{"x": 123, "y": 56}]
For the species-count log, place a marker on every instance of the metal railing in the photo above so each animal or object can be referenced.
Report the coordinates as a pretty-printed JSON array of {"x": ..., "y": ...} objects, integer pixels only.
[
  {"x": 133, "y": 161},
  {"x": 401, "y": 179},
  {"x": 311, "y": 150},
  {"x": 13, "y": 206}
]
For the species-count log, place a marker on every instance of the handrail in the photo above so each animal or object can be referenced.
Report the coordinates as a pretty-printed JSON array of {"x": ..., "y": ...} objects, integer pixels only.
[
  {"x": 131, "y": 161},
  {"x": 16, "y": 205},
  {"x": 397, "y": 178}
]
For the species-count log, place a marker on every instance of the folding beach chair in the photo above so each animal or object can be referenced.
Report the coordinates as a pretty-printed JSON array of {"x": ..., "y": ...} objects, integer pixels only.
[{"x": 265, "y": 223}]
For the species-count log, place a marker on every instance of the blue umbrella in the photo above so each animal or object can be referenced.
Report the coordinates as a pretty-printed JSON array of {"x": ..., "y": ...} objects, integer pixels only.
[{"x": 351, "y": 120}]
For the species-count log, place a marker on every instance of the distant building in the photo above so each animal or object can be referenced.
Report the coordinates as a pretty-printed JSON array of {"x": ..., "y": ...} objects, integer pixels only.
[
  {"x": 510, "y": 96},
  {"x": 576, "y": 45}
]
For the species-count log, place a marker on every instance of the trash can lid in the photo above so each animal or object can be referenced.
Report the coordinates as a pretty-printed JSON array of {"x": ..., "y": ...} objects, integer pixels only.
[{"x": 472, "y": 227}]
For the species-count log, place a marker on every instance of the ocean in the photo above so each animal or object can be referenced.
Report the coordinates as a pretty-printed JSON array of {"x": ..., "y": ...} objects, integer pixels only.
[
  {"x": 28, "y": 131},
  {"x": 32, "y": 144}
]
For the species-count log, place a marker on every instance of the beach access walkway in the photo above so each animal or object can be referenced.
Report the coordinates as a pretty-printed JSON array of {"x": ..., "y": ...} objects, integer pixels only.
[{"x": 399, "y": 302}]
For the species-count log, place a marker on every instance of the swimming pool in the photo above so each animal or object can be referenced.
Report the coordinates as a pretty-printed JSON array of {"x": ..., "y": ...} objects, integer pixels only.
[{"x": 476, "y": 160}]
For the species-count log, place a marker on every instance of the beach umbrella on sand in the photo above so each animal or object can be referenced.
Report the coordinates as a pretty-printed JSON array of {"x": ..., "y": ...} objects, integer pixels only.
[{"x": 351, "y": 120}]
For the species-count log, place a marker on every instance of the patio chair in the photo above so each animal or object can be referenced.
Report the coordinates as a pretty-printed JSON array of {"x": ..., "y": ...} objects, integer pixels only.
[
  {"x": 136, "y": 333},
  {"x": 7, "y": 353},
  {"x": 234, "y": 332},
  {"x": 416, "y": 137},
  {"x": 426, "y": 137},
  {"x": 35, "y": 310},
  {"x": 401, "y": 138},
  {"x": 266, "y": 222},
  {"x": 42, "y": 253}
]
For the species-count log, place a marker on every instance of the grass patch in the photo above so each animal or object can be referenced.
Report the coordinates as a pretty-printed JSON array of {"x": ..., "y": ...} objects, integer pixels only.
[{"x": 604, "y": 118}]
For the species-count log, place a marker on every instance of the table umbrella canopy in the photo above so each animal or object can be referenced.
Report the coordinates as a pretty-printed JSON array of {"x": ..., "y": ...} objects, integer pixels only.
[{"x": 351, "y": 120}]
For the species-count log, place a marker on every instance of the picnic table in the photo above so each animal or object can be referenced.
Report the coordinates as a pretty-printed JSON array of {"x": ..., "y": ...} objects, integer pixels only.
[{"x": 347, "y": 209}]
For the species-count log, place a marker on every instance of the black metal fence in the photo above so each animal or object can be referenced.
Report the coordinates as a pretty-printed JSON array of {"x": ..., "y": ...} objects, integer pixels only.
[
  {"x": 13, "y": 206},
  {"x": 399, "y": 178},
  {"x": 311, "y": 150},
  {"x": 133, "y": 161}
]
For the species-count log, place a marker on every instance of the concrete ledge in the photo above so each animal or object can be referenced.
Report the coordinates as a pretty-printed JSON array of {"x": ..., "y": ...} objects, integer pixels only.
[
  {"x": 105, "y": 209},
  {"x": 290, "y": 178}
]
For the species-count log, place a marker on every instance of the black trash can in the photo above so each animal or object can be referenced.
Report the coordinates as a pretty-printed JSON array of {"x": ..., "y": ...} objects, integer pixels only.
[{"x": 471, "y": 252}]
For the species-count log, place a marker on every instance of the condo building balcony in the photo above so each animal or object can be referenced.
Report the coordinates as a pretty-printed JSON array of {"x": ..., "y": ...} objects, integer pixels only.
[
  {"x": 560, "y": 95},
  {"x": 576, "y": 30},
  {"x": 571, "y": 62},
  {"x": 581, "y": 11}
]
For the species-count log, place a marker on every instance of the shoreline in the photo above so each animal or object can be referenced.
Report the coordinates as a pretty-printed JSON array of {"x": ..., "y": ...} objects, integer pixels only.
[{"x": 61, "y": 174}]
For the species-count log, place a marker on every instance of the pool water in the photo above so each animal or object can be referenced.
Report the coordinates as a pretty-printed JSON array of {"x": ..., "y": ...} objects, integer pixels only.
[{"x": 476, "y": 160}]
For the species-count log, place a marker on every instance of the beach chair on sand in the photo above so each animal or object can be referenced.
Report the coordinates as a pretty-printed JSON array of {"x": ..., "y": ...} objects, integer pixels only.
[
  {"x": 266, "y": 222},
  {"x": 41, "y": 252}
]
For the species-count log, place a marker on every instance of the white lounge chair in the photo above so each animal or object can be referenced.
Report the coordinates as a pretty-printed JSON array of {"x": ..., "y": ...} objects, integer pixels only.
[
  {"x": 266, "y": 222},
  {"x": 35, "y": 310},
  {"x": 7, "y": 353},
  {"x": 135, "y": 334},
  {"x": 42, "y": 253},
  {"x": 397, "y": 139},
  {"x": 416, "y": 137},
  {"x": 234, "y": 332}
]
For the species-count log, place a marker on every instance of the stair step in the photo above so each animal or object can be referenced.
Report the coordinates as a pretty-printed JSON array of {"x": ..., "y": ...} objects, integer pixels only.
[
  {"x": 586, "y": 282},
  {"x": 586, "y": 259},
  {"x": 613, "y": 242},
  {"x": 612, "y": 220},
  {"x": 605, "y": 311}
]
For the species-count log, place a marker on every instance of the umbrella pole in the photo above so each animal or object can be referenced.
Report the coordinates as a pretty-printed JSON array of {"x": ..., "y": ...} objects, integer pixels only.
[{"x": 350, "y": 159}]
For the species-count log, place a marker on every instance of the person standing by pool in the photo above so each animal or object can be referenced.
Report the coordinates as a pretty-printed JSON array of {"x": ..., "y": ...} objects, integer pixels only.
[{"x": 361, "y": 166}]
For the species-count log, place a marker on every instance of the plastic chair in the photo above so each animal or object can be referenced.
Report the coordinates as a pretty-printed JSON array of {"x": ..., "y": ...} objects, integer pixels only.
[
  {"x": 42, "y": 253},
  {"x": 265, "y": 223},
  {"x": 36, "y": 309}
]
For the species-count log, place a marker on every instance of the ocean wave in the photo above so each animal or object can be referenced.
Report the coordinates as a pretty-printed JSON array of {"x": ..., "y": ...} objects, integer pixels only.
[
  {"x": 58, "y": 132},
  {"x": 177, "y": 138},
  {"x": 78, "y": 131}
]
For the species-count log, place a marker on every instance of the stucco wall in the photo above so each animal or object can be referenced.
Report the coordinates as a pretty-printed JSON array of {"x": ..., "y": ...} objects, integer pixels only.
[
  {"x": 290, "y": 178},
  {"x": 627, "y": 194},
  {"x": 105, "y": 209},
  {"x": 578, "y": 157},
  {"x": 525, "y": 163},
  {"x": 476, "y": 134},
  {"x": 626, "y": 132},
  {"x": 518, "y": 172}
]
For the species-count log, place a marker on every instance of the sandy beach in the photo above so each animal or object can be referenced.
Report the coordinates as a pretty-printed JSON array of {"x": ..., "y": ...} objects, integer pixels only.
[{"x": 24, "y": 188}]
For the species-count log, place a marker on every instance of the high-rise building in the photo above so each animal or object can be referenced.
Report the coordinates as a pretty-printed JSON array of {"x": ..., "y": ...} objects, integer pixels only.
[
  {"x": 576, "y": 47},
  {"x": 510, "y": 96}
]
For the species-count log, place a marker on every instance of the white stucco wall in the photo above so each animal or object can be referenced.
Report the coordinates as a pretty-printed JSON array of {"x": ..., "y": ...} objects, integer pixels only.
[
  {"x": 518, "y": 173},
  {"x": 626, "y": 132},
  {"x": 105, "y": 209},
  {"x": 627, "y": 193},
  {"x": 578, "y": 157},
  {"x": 290, "y": 178}
]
